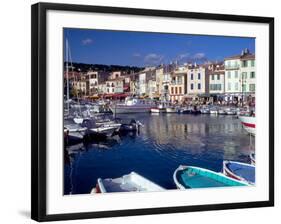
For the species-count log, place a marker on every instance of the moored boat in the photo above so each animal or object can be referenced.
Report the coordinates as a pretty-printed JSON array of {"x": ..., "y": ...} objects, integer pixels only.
[
  {"x": 222, "y": 112},
  {"x": 249, "y": 124},
  {"x": 171, "y": 110},
  {"x": 186, "y": 177},
  {"x": 132, "y": 182},
  {"x": 253, "y": 158},
  {"x": 159, "y": 109},
  {"x": 130, "y": 127},
  {"x": 131, "y": 105},
  {"x": 239, "y": 171},
  {"x": 205, "y": 110},
  {"x": 73, "y": 133},
  {"x": 214, "y": 111},
  {"x": 230, "y": 111}
]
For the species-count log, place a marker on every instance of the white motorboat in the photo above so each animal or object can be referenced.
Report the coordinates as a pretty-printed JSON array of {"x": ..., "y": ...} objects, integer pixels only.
[
  {"x": 105, "y": 129},
  {"x": 230, "y": 111},
  {"x": 221, "y": 112},
  {"x": 131, "y": 105},
  {"x": 214, "y": 111},
  {"x": 159, "y": 109},
  {"x": 132, "y": 182},
  {"x": 205, "y": 110},
  {"x": 74, "y": 133},
  {"x": 171, "y": 110},
  {"x": 249, "y": 124}
]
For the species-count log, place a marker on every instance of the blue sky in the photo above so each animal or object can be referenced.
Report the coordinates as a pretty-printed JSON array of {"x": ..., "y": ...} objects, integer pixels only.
[{"x": 144, "y": 49}]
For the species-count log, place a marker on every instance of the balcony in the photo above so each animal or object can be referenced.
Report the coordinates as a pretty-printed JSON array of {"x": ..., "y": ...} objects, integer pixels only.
[
  {"x": 231, "y": 67},
  {"x": 176, "y": 83}
]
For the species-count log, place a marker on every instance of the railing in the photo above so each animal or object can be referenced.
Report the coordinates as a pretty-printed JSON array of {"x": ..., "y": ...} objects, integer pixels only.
[
  {"x": 232, "y": 66},
  {"x": 176, "y": 83}
]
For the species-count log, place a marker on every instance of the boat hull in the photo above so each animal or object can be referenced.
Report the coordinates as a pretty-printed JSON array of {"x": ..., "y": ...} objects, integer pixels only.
[
  {"x": 157, "y": 110},
  {"x": 186, "y": 177},
  {"x": 239, "y": 171},
  {"x": 249, "y": 124},
  {"x": 130, "y": 109},
  {"x": 132, "y": 182}
]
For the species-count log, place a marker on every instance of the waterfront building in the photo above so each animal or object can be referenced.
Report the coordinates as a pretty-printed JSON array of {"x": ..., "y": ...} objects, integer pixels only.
[
  {"x": 127, "y": 83},
  {"x": 134, "y": 84},
  {"x": 80, "y": 85},
  {"x": 159, "y": 73},
  {"x": 216, "y": 81},
  {"x": 102, "y": 88},
  {"x": 239, "y": 77},
  {"x": 94, "y": 78},
  {"x": 145, "y": 87},
  {"x": 197, "y": 81},
  {"x": 115, "y": 75},
  {"x": 115, "y": 85},
  {"x": 142, "y": 83},
  {"x": 178, "y": 84}
]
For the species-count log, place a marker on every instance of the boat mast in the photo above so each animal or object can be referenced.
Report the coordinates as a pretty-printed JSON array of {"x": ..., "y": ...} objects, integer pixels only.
[{"x": 67, "y": 78}]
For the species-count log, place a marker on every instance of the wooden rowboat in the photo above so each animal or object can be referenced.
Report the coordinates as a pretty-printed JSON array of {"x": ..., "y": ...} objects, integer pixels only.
[
  {"x": 239, "y": 171},
  {"x": 128, "y": 183},
  {"x": 186, "y": 177}
]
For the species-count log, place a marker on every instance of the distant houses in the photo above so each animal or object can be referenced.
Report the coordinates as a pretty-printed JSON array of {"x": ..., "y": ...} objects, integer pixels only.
[{"x": 232, "y": 80}]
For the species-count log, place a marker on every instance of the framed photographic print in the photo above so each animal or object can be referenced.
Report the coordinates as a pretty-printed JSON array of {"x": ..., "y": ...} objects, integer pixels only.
[{"x": 139, "y": 111}]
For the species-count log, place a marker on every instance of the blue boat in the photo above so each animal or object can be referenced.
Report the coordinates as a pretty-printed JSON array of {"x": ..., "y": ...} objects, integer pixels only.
[
  {"x": 253, "y": 158},
  {"x": 239, "y": 171},
  {"x": 186, "y": 177}
]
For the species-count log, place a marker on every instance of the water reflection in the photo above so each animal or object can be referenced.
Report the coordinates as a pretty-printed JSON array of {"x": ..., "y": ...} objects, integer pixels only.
[{"x": 165, "y": 142}]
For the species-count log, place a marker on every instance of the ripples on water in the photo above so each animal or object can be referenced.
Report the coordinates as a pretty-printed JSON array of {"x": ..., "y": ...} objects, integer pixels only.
[{"x": 165, "y": 142}]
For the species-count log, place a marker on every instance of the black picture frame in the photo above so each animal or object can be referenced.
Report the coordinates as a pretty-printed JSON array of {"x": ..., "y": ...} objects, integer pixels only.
[{"x": 38, "y": 109}]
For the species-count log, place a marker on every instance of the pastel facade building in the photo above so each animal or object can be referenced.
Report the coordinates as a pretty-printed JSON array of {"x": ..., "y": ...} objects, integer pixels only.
[
  {"x": 197, "y": 80},
  {"x": 240, "y": 76},
  {"x": 94, "y": 78},
  {"x": 216, "y": 79},
  {"x": 178, "y": 84}
]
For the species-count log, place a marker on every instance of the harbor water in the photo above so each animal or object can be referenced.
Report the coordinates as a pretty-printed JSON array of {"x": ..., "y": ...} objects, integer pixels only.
[{"x": 161, "y": 145}]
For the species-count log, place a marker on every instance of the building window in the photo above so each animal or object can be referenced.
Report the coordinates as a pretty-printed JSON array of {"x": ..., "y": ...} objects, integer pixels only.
[
  {"x": 218, "y": 77},
  {"x": 244, "y": 75},
  {"x": 236, "y": 74},
  {"x": 228, "y": 63},
  {"x": 244, "y": 87},
  {"x": 252, "y": 75},
  {"x": 199, "y": 75},
  {"x": 191, "y": 76},
  {"x": 199, "y": 86},
  {"x": 113, "y": 90},
  {"x": 219, "y": 86},
  {"x": 213, "y": 77},
  {"x": 180, "y": 90},
  {"x": 172, "y": 90},
  {"x": 244, "y": 63},
  {"x": 176, "y": 90},
  {"x": 252, "y": 63},
  {"x": 179, "y": 80},
  {"x": 229, "y": 75},
  {"x": 191, "y": 86},
  {"x": 229, "y": 86},
  {"x": 252, "y": 87},
  {"x": 236, "y": 86}
]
